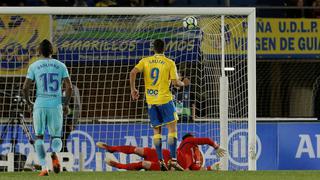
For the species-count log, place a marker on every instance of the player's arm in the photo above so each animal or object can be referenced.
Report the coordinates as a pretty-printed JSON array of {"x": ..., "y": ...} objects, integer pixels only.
[
  {"x": 202, "y": 141},
  {"x": 185, "y": 80},
  {"x": 26, "y": 89},
  {"x": 26, "y": 86},
  {"x": 133, "y": 76},
  {"x": 175, "y": 79},
  {"x": 68, "y": 85}
]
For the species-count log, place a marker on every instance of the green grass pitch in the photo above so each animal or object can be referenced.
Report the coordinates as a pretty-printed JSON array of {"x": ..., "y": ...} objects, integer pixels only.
[{"x": 141, "y": 175}]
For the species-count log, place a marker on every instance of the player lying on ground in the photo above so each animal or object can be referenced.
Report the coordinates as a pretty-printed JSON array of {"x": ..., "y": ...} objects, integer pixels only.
[
  {"x": 149, "y": 155},
  {"x": 48, "y": 75},
  {"x": 189, "y": 155}
]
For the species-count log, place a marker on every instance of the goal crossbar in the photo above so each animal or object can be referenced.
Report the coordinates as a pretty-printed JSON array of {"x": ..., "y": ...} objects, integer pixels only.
[{"x": 125, "y": 10}]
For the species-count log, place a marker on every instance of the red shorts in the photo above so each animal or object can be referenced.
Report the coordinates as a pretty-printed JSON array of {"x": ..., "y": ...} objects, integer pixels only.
[
  {"x": 192, "y": 161},
  {"x": 184, "y": 160},
  {"x": 195, "y": 167},
  {"x": 151, "y": 156}
]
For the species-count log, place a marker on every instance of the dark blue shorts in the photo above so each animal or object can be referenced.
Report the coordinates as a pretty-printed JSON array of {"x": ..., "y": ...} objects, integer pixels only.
[{"x": 162, "y": 114}]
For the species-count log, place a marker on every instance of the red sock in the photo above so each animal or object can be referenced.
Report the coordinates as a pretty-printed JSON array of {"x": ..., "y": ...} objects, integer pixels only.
[
  {"x": 123, "y": 149},
  {"x": 131, "y": 166},
  {"x": 155, "y": 166}
]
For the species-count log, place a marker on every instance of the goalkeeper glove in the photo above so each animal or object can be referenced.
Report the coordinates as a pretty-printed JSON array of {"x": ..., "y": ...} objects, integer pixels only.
[{"x": 220, "y": 152}]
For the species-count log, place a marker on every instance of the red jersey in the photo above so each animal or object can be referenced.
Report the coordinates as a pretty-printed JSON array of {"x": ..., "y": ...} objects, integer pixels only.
[
  {"x": 150, "y": 154},
  {"x": 188, "y": 153}
]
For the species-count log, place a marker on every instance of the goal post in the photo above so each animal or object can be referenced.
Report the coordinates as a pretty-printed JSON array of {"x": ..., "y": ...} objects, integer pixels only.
[
  {"x": 101, "y": 45},
  {"x": 252, "y": 117},
  {"x": 223, "y": 101}
]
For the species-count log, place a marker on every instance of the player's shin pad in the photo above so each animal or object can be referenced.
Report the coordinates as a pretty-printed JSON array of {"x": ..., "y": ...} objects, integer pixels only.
[
  {"x": 56, "y": 144},
  {"x": 157, "y": 141},
  {"x": 39, "y": 147},
  {"x": 172, "y": 142}
]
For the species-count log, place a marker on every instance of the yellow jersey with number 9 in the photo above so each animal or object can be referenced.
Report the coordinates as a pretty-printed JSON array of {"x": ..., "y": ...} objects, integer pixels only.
[{"x": 158, "y": 71}]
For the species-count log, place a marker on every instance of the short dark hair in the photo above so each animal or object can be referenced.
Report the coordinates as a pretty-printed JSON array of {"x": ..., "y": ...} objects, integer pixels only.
[
  {"x": 46, "y": 48},
  {"x": 158, "y": 46},
  {"x": 187, "y": 136}
]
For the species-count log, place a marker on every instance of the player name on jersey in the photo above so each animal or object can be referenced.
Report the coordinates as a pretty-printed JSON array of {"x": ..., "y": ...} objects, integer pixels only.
[
  {"x": 157, "y": 61},
  {"x": 48, "y": 65}
]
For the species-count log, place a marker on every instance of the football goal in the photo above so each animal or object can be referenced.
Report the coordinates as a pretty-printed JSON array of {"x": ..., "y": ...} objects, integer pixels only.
[{"x": 100, "y": 46}]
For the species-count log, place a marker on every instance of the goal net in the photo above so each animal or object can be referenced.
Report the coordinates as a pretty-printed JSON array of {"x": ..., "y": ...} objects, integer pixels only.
[{"x": 100, "y": 50}]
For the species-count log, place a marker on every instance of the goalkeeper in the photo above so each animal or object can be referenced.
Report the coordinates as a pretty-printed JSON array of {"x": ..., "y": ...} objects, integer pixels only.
[
  {"x": 159, "y": 71},
  {"x": 189, "y": 155},
  {"x": 188, "y": 152},
  {"x": 150, "y": 162}
]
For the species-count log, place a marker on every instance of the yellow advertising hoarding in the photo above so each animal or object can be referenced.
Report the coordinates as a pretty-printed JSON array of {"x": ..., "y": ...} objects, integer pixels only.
[
  {"x": 276, "y": 37},
  {"x": 19, "y": 39},
  {"x": 288, "y": 36}
]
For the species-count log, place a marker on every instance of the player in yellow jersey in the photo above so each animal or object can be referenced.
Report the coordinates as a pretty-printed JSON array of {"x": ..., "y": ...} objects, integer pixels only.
[{"x": 159, "y": 71}]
